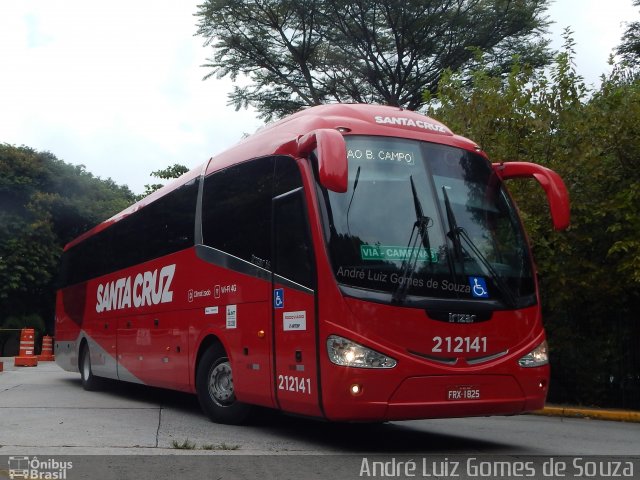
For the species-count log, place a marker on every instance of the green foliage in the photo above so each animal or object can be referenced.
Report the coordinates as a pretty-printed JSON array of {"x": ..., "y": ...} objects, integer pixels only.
[
  {"x": 31, "y": 320},
  {"x": 10, "y": 330},
  {"x": 186, "y": 444},
  {"x": 174, "y": 171},
  {"x": 590, "y": 274},
  {"x": 297, "y": 53},
  {"x": 220, "y": 446},
  {"x": 44, "y": 203},
  {"x": 629, "y": 48}
]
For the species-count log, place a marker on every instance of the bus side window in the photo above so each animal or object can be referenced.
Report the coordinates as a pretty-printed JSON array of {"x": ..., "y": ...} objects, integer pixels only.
[
  {"x": 287, "y": 176},
  {"x": 158, "y": 229},
  {"x": 293, "y": 254},
  {"x": 236, "y": 211}
]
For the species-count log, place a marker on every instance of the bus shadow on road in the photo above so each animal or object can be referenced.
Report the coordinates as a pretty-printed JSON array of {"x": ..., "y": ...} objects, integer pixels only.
[
  {"x": 387, "y": 437},
  {"x": 136, "y": 392}
]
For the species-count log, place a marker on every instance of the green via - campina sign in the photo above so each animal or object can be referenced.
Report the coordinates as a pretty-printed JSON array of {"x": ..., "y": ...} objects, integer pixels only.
[{"x": 390, "y": 252}]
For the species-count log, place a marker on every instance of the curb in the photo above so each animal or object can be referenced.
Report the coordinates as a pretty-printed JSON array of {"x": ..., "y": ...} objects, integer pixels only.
[{"x": 595, "y": 413}]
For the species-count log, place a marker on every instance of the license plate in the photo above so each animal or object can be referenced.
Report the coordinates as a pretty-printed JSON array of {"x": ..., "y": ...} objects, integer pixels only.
[{"x": 463, "y": 392}]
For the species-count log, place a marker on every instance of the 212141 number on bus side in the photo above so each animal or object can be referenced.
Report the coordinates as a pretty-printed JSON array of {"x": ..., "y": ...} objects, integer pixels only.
[{"x": 294, "y": 384}]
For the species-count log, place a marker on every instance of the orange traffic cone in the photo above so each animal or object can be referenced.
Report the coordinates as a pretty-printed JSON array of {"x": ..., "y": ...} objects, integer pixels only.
[
  {"x": 26, "y": 358},
  {"x": 47, "y": 350},
  {"x": 1, "y": 366}
]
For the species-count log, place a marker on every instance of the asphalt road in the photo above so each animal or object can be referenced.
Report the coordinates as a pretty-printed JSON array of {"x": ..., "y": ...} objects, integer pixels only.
[{"x": 45, "y": 412}]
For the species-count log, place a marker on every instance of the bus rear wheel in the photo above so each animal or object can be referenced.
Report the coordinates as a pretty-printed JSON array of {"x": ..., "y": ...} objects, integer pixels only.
[
  {"x": 89, "y": 381},
  {"x": 214, "y": 384}
]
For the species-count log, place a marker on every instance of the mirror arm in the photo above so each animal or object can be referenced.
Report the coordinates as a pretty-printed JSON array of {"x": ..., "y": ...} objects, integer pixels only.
[
  {"x": 549, "y": 180},
  {"x": 307, "y": 144},
  {"x": 332, "y": 156}
]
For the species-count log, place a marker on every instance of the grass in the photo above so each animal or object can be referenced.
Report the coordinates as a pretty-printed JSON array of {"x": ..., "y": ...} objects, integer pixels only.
[
  {"x": 220, "y": 446},
  {"x": 185, "y": 445},
  {"x": 189, "y": 445}
]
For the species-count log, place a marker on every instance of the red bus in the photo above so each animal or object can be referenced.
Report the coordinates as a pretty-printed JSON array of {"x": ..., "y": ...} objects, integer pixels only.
[{"x": 349, "y": 262}]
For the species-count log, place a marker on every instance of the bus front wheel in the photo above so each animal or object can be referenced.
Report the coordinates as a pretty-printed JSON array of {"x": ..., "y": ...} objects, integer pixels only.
[{"x": 214, "y": 384}]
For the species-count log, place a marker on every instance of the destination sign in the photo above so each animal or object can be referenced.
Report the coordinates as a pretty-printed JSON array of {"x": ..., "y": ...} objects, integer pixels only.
[
  {"x": 383, "y": 154},
  {"x": 383, "y": 252}
]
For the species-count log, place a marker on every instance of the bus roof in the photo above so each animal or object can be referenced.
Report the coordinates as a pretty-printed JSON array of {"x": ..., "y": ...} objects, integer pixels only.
[
  {"x": 281, "y": 137},
  {"x": 353, "y": 119}
]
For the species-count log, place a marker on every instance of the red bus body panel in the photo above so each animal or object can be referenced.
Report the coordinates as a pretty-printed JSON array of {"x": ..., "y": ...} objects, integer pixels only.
[{"x": 279, "y": 355}]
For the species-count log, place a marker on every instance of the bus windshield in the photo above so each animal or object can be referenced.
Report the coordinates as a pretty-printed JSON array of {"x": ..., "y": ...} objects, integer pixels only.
[{"x": 422, "y": 220}]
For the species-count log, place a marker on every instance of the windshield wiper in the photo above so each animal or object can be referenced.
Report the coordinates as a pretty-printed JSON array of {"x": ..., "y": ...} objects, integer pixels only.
[
  {"x": 454, "y": 230},
  {"x": 456, "y": 234},
  {"x": 415, "y": 244},
  {"x": 353, "y": 192}
]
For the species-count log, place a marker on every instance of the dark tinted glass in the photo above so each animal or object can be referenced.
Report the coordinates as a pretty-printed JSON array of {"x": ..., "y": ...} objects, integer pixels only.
[
  {"x": 426, "y": 220},
  {"x": 236, "y": 210},
  {"x": 160, "y": 228},
  {"x": 237, "y": 207},
  {"x": 287, "y": 176},
  {"x": 293, "y": 249}
]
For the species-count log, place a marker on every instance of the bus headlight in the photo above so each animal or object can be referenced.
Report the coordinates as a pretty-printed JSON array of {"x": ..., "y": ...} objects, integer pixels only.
[
  {"x": 350, "y": 354},
  {"x": 537, "y": 357}
]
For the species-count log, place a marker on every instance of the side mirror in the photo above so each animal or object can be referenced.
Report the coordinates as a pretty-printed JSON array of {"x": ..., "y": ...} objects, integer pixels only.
[
  {"x": 550, "y": 181},
  {"x": 333, "y": 168}
]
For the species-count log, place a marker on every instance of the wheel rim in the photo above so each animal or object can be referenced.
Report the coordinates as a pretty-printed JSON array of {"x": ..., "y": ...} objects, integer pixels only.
[
  {"x": 221, "y": 383},
  {"x": 86, "y": 365}
]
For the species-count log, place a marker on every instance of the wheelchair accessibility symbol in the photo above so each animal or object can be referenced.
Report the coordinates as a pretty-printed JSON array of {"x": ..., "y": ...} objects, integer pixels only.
[
  {"x": 278, "y": 298},
  {"x": 478, "y": 287}
]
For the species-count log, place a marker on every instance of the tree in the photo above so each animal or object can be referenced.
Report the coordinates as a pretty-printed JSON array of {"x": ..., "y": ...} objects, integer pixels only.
[
  {"x": 174, "y": 171},
  {"x": 629, "y": 48},
  {"x": 10, "y": 332},
  {"x": 44, "y": 203},
  {"x": 298, "y": 53},
  {"x": 590, "y": 274}
]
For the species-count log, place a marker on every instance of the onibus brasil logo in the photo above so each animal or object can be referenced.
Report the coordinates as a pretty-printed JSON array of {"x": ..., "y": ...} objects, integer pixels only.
[{"x": 36, "y": 469}]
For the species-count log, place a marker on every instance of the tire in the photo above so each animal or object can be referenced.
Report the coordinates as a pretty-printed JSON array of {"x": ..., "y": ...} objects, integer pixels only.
[
  {"x": 214, "y": 384},
  {"x": 89, "y": 380}
]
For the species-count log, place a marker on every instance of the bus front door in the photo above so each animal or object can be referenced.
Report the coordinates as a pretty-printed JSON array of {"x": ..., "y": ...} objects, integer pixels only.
[{"x": 294, "y": 312}]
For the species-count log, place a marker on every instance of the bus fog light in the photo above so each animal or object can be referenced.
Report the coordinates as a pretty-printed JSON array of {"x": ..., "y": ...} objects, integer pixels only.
[
  {"x": 537, "y": 357},
  {"x": 355, "y": 389},
  {"x": 350, "y": 354}
]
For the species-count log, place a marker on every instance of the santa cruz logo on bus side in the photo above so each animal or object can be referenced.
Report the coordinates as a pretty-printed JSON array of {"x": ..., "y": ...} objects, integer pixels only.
[{"x": 147, "y": 288}]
